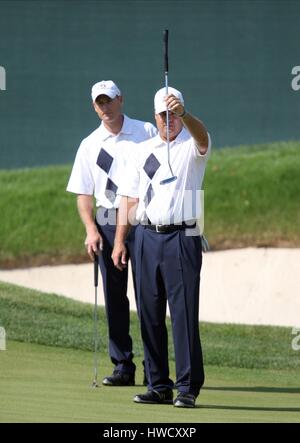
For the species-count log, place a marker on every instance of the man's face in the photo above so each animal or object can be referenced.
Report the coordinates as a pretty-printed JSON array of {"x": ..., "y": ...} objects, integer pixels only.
[
  {"x": 108, "y": 109},
  {"x": 175, "y": 125}
]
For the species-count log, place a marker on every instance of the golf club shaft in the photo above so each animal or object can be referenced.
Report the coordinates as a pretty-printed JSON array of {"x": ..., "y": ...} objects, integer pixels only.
[
  {"x": 167, "y": 114},
  {"x": 96, "y": 274},
  {"x": 166, "y": 48},
  {"x": 96, "y": 270},
  {"x": 166, "y": 63}
]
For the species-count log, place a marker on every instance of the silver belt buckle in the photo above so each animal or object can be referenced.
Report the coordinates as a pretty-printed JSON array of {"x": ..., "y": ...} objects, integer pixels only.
[{"x": 157, "y": 228}]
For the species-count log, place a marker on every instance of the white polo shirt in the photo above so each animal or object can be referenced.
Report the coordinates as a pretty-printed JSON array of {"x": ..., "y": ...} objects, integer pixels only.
[
  {"x": 101, "y": 160},
  {"x": 176, "y": 201}
]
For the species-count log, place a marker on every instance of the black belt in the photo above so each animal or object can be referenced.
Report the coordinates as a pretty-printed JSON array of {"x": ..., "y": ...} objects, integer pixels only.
[{"x": 167, "y": 229}]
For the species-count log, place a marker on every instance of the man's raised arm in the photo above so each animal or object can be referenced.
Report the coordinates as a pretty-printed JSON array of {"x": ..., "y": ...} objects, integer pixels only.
[{"x": 195, "y": 126}]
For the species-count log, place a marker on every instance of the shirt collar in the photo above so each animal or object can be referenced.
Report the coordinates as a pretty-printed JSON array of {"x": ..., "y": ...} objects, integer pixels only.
[
  {"x": 181, "y": 137},
  {"x": 127, "y": 126},
  {"x": 126, "y": 129}
]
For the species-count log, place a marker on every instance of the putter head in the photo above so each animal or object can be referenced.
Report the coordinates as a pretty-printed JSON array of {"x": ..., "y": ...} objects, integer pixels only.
[
  {"x": 95, "y": 384},
  {"x": 168, "y": 180}
]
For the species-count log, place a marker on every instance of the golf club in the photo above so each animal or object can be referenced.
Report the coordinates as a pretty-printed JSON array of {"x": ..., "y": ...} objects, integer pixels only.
[
  {"x": 96, "y": 273},
  {"x": 166, "y": 60}
]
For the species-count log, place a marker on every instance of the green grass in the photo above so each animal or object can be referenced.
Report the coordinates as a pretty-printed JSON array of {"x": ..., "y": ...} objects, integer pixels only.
[
  {"x": 39, "y": 221},
  {"x": 52, "y": 384},
  {"x": 252, "y": 196},
  {"x": 48, "y": 319},
  {"x": 252, "y": 375}
]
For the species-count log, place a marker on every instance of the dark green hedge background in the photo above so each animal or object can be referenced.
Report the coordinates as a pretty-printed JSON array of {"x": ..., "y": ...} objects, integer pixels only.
[{"x": 232, "y": 59}]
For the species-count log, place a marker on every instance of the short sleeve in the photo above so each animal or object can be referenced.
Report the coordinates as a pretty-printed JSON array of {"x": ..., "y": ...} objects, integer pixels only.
[{"x": 81, "y": 178}]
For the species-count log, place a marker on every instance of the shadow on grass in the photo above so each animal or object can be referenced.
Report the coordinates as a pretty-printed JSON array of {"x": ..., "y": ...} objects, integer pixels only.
[
  {"x": 271, "y": 390},
  {"x": 248, "y": 408}
]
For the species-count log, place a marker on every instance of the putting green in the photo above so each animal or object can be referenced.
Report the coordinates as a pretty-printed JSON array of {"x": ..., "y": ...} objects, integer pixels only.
[{"x": 49, "y": 384}]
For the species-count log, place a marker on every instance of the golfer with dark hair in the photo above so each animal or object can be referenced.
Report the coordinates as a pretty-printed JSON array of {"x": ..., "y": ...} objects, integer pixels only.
[
  {"x": 168, "y": 247},
  {"x": 99, "y": 165}
]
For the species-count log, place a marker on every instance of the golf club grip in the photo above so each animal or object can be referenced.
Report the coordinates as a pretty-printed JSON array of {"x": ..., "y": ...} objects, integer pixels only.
[
  {"x": 96, "y": 270},
  {"x": 166, "y": 42}
]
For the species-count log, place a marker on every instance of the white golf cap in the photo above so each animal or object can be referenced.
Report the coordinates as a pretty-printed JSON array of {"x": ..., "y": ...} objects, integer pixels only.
[
  {"x": 106, "y": 87},
  {"x": 159, "y": 99}
]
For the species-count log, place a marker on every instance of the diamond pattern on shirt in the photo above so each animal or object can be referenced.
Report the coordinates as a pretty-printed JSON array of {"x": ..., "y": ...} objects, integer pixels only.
[
  {"x": 149, "y": 195},
  {"x": 151, "y": 166},
  {"x": 111, "y": 190},
  {"x": 104, "y": 160}
]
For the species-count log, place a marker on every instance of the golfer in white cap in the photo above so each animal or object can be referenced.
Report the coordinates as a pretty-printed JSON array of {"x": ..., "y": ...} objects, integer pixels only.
[
  {"x": 168, "y": 247},
  {"x": 98, "y": 168}
]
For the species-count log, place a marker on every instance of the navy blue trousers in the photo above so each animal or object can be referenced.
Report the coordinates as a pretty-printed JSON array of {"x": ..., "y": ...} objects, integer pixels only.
[
  {"x": 116, "y": 300},
  {"x": 168, "y": 269}
]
